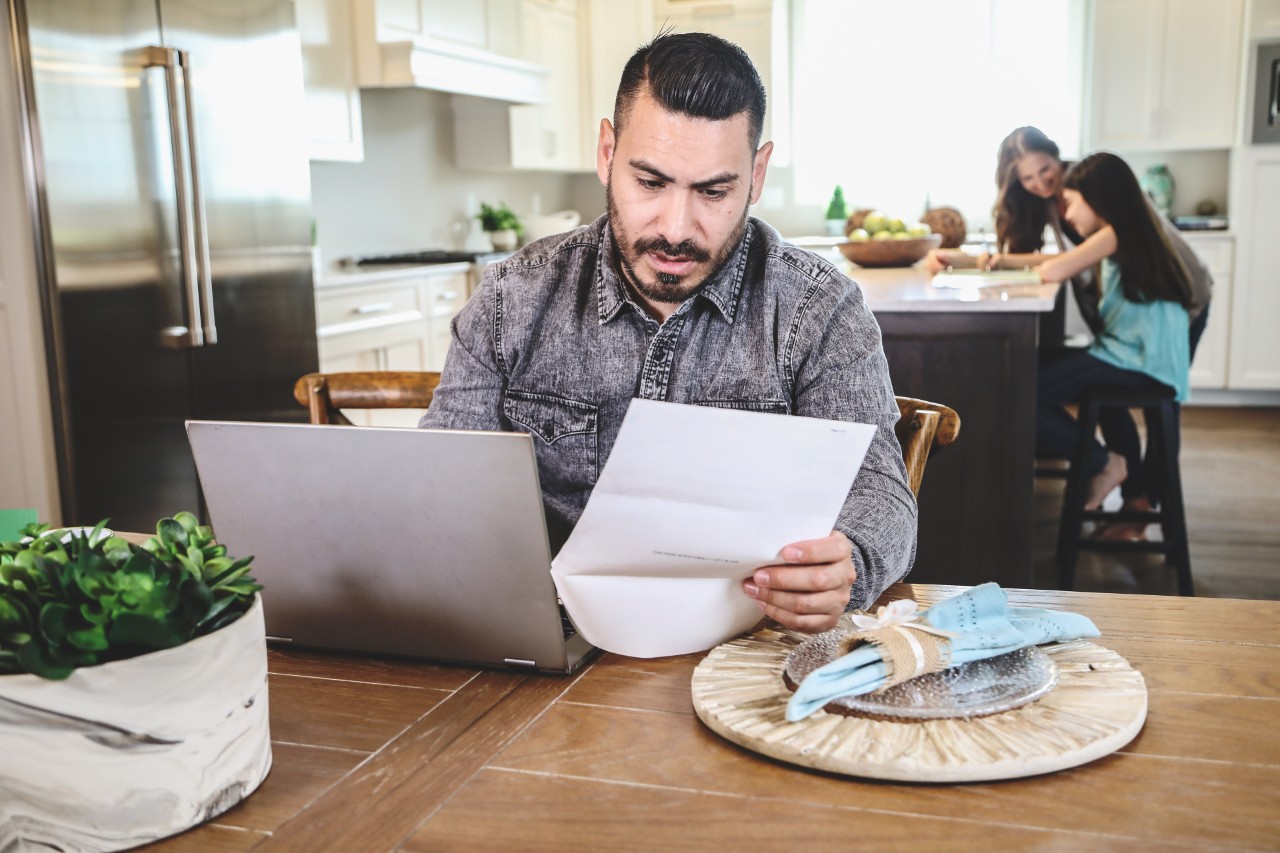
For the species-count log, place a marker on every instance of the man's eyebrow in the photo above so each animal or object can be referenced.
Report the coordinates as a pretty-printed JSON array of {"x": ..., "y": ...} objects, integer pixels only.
[{"x": 722, "y": 178}]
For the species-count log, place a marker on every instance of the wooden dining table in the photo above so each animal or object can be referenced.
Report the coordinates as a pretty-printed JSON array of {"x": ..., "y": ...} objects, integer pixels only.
[{"x": 380, "y": 754}]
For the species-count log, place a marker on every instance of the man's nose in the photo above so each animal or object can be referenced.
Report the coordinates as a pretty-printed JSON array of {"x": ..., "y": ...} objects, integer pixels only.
[{"x": 675, "y": 220}]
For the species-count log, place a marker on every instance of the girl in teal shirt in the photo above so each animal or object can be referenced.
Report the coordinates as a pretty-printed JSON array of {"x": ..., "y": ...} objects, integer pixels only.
[{"x": 1146, "y": 291}]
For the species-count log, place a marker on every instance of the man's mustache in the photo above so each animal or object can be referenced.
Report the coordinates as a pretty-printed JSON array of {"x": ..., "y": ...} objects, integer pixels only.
[{"x": 686, "y": 249}]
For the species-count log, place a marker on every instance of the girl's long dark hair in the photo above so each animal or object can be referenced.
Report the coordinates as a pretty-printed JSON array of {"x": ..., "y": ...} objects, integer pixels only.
[
  {"x": 1021, "y": 216},
  {"x": 1149, "y": 267}
]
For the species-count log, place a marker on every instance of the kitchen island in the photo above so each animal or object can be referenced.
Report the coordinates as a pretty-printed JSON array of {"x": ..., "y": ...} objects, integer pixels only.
[{"x": 973, "y": 349}]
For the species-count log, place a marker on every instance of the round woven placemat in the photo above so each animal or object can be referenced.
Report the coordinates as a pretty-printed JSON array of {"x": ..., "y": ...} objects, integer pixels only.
[{"x": 1097, "y": 707}]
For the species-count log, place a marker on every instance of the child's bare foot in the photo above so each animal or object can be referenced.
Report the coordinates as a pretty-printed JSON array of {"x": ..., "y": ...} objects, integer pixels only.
[
  {"x": 1112, "y": 475},
  {"x": 1127, "y": 531}
]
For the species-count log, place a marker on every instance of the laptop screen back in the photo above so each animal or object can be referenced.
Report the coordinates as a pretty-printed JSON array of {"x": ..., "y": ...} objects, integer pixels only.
[{"x": 428, "y": 543}]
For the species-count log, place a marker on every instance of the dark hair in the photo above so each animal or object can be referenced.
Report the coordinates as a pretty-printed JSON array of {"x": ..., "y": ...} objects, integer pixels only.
[
  {"x": 1150, "y": 269},
  {"x": 696, "y": 74},
  {"x": 1021, "y": 216}
]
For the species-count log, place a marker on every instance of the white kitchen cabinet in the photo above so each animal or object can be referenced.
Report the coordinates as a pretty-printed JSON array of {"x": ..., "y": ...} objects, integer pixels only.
[
  {"x": 549, "y": 136},
  {"x": 1209, "y": 369},
  {"x": 1163, "y": 74},
  {"x": 467, "y": 47},
  {"x": 611, "y": 32},
  {"x": 760, "y": 27},
  {"x": 1254, "y": 362},
  {"x": 395, "y": 320},
  {"x": 329, "y": 76}
]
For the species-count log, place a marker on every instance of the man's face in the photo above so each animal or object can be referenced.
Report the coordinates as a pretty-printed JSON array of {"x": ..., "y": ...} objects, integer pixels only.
[{"x": 678, "y": 190}]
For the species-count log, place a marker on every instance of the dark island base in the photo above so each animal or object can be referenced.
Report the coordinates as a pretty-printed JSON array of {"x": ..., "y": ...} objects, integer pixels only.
[{"x": 976, "y": 502}]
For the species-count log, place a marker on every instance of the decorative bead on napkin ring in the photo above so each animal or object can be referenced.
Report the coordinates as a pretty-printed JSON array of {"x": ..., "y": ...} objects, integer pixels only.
[{"x": 909, "y": 646}]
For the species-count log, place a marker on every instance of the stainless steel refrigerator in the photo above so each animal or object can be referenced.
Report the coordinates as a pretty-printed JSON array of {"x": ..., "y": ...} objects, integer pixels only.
[{"x": 167, "y": 159}]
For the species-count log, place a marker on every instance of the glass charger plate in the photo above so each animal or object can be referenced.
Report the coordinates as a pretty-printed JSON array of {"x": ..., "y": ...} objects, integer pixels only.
[{"x": 974, "y": 689}]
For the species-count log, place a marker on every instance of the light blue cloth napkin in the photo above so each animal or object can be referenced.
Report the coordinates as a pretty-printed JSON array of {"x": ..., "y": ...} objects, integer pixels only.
[{"x": 984, "y": 624}]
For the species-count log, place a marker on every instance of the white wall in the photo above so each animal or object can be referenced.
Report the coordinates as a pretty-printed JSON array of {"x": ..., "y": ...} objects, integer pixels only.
[
  {"x": 28, "y": 475},
  {"x": 407, "y": 194}
]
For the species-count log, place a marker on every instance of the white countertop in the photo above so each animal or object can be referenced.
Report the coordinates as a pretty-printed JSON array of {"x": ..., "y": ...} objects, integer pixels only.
[
  {"x": 901, "y": 289},
  {"x": 339, "y": 276},
  {"x": 887, "y": 289}
]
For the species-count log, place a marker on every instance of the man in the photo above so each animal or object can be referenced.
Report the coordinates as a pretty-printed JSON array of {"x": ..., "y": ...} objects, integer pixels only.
[{"x": 677, "y": 295}]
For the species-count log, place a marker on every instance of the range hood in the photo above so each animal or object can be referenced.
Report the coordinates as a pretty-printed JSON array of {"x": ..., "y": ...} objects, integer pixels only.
[{"x": 427, "y": 63}]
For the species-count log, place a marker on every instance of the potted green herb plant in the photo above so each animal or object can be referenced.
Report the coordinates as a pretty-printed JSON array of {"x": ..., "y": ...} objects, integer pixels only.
[
  {"x": 502, "y": 225},
  {"x": 837, "y": 213},
  {"x": 133, "y": 694}
]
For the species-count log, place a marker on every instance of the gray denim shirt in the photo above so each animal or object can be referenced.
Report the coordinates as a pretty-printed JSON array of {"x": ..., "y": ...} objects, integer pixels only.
[{"x": 553, "y": 345}]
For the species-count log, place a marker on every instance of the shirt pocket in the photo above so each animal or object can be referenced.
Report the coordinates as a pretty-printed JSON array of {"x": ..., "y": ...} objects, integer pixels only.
[
  {"x": 565, "y": 437},
  {"x": 775, "y": 407}
]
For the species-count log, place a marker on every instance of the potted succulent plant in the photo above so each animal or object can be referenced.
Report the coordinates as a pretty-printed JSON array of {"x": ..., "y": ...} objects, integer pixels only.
[
  {"x": 502, "y": 225},
  {"x": 133, "y": 695}
]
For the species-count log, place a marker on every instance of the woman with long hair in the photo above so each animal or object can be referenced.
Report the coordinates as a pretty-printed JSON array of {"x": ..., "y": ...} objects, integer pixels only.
[{"x": 1029, "y": 200}]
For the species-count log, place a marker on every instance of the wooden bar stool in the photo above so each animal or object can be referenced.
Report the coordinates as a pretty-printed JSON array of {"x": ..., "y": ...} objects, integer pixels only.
[{"x": 1161, "y": 411}]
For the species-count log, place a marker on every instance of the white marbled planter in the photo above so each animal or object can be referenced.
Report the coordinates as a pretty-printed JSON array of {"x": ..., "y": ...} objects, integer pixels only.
[{"x": 131, "y": 751}]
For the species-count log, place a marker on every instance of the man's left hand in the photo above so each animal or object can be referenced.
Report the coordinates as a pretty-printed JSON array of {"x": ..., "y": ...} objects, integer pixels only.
[{"x": 809, "y": 590}]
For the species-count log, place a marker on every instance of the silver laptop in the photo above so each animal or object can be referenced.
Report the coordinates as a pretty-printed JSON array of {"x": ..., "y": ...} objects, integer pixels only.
[{"x": 427, "y": 543}]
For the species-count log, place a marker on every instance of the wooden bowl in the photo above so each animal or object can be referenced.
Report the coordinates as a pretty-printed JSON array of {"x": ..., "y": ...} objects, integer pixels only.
[{"x": 889, "y": 253}]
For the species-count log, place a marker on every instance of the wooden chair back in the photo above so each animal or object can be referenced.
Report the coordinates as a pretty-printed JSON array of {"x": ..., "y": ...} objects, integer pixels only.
[
  {"x": 326, "y": 394},
  {"x": 923, "y": 428}
]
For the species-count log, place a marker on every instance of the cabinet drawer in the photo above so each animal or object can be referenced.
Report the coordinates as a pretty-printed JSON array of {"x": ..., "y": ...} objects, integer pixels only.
[
  {"x": 351, "y": 309},
  {"x": 1216, "y": 253},
  {"x": 446, "y": 294}
]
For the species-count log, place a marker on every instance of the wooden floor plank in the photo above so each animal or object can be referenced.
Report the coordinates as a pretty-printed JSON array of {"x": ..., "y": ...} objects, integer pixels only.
[
  {"x": 344, "y": 714},
  {"x": 299, "y": 774},
  {"x": 503, "y": 811},
  {"x": 383, "y": 801},
  {"x": 210, "y": 838},
  {"x": 401, "y": 672},
  {"x": 661, "y": 684},
  {"x": 1232, "y": 804}
]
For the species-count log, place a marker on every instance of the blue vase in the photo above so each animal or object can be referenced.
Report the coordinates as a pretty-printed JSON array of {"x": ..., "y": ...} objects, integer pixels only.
[{"x": 1158, "y": 184}]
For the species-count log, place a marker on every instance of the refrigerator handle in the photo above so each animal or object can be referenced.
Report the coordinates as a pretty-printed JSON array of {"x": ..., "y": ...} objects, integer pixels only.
[
  {"x": 203, "y": 271},
  {"x": 158, "y": 56}
]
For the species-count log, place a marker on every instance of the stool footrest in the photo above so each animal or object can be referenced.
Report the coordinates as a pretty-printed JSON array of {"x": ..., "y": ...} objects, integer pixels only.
[
  {"x": 1150, "y": 546},
  {"x": 1150, "y": 516}
]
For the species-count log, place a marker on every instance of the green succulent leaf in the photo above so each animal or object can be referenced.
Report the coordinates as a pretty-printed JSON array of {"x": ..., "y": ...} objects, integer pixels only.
[
  {"x": 37, "y": 660},
  {"x": 173, "y": 535},
  {"x": 93, "y": 638}
]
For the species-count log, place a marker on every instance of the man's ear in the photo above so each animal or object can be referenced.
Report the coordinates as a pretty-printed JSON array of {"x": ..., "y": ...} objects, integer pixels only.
[
  {"x": 604, "y": 150},
  {"x": 759, "y": 166}
]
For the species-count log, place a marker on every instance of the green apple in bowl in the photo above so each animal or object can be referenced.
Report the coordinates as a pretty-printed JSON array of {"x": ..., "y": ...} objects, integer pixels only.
[
  {"x": 859, "y": 234},
  {"x": 875, "y": 221}
]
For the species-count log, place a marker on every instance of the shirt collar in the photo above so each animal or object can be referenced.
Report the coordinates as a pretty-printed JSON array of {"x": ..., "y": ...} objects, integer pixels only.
[{"x": 721, "y": 290}]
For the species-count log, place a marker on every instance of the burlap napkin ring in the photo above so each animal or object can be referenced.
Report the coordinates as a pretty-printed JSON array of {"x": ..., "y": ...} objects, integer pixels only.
[{"x": 909, "y": 648}]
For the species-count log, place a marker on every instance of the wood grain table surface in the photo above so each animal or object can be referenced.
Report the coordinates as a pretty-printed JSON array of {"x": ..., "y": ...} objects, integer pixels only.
[{"x": 380, "y": 754}]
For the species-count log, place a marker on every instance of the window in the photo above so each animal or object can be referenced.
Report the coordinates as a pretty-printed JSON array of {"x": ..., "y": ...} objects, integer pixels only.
[{"x": 903, "y": 102}]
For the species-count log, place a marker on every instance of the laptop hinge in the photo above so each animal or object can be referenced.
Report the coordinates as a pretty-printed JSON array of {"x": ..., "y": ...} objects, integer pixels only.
[{"x": 517, "y": 662}]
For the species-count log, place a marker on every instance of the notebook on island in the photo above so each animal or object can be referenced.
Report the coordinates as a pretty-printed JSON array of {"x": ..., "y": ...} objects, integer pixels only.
[
  {"x": 426, "y": 543},
  {"x": 985, "y": 278}
]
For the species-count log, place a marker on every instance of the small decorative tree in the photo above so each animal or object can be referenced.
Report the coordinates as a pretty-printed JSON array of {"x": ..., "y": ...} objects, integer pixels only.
[
  {"x": 837, "y": 208},
  {"x": 837, "y": 212}
]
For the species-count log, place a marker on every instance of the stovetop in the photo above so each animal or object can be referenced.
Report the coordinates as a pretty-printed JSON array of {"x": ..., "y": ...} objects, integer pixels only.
[{"x": 427, "y": 256}]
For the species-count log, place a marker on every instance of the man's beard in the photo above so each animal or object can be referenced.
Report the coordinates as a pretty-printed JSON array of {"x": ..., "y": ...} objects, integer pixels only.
[{"x": 668, "y": 288}]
